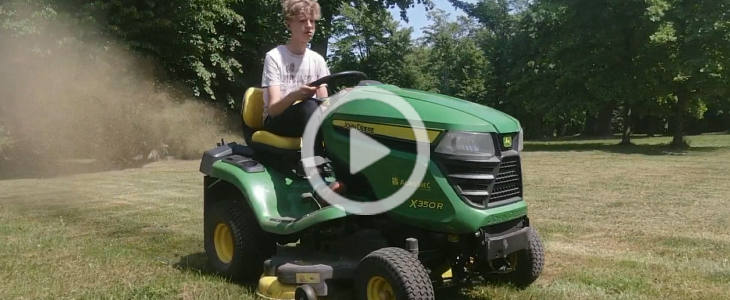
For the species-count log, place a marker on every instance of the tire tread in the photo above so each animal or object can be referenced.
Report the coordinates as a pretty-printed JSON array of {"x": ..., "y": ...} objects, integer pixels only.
[
  {"x": 530, "y": 262},
  {"x": 251, "y": 245},
  {"x": 412, "y": 280}
]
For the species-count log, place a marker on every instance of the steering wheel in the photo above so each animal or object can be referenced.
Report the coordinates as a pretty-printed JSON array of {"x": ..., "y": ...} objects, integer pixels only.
[{"x": 338, "y": 76}]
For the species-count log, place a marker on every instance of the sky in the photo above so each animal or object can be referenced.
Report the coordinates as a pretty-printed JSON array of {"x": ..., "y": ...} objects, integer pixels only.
[{"x": 417, "y": 15}]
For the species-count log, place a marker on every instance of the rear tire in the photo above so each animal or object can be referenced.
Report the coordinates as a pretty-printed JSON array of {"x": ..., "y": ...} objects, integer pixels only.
[
  {"x": 529, "y": 261},
  {"x": 392, "y": 273},
  {"x": 234, "y": 243}
]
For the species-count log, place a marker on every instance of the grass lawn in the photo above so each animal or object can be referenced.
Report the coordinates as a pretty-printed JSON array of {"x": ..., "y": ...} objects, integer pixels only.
[{"x": 630, "y": 222}]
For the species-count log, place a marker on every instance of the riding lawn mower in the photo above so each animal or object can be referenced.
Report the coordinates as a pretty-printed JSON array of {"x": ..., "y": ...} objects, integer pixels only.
[{"x": 465, "y": 221}]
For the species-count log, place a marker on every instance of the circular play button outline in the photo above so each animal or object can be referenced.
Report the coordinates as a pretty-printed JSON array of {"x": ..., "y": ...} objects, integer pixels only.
[
  {"x": 423, "y": 150},
  {"x": 360, "y": 160}
]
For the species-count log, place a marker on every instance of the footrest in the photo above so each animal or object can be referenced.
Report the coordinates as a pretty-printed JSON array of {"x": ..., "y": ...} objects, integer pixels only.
[
  {"x": 311, "y": 196},
  {"x": 283, "y": 219}
]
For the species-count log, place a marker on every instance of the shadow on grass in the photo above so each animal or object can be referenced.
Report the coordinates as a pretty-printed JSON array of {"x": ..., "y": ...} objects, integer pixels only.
[
  {"x": 198, "y": 263},
  {"x": 473, "y": 292},
  {"x": 452, "y": 292},
  {"x": 621, "y": 149}
]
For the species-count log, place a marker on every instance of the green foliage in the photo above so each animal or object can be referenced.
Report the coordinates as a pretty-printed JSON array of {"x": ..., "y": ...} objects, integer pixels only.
[
  {"x": 692, "y": 56},
  {"x": 458, "y": 64},
  {"x": 570, "y": 62},
  {"x": 595, "y": 53},
  {"x": 560, "y": 66},
  {"x": 265, "y": 29},
  {"x": 23, "y": 18},
  {"x": 331, "y": 8},
  {"x": 195, "y": 40},
  {"x": 499, "y": 20},
  {"x": 368, "y": 40},
  {"x": 447, "y": 60}
]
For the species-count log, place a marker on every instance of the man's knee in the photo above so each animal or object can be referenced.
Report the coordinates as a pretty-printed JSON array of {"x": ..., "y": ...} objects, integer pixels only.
[
  {"x": 309, "y": 106},
  {"x": 305, "y": 110}
]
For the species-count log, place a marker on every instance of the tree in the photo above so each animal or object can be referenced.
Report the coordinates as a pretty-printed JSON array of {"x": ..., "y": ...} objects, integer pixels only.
[
  {"x": 524, "y": 75},
  {"x": 368, "y": 39},
  {"x": 499, "y": 18},
  {"x": 589, "y": 57},
  {"x": 456, "y": 62},
  {"x": 330, "y": 9},
  {"x": 264, "y": 30},
  {"x": 196, "y": 41},
  {"x": 694, "y": 56}
]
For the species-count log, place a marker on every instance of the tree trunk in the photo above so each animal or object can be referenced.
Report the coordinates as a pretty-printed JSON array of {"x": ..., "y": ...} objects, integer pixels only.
[
  {"x": 321, "y": 40},
  {"x": 651, "y": 122},
  {"x": 590, "y": 124},
  {"x": 603, "y": 123},
  {"x": 626, "y": 131},
  {"x": 320, "y": 46},
  {"x": 679, "y": 114}
]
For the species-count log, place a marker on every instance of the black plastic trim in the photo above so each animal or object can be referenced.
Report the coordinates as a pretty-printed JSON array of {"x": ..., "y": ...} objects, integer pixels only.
[
  {"x": 487, "y": 183},
  {"x": 213, "y": 155},
  {"x": 503, "y": 202},
  {"x": 246, "y": 163},
  {"x": 468, "y": 158},
  {"x": 503, "y": 245}
]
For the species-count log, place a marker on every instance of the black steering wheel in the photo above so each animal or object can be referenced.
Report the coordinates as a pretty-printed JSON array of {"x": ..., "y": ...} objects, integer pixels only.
[{"x": 339, "y": 76}]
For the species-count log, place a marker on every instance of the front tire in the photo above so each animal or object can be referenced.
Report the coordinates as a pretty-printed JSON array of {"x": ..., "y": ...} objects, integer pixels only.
[
  {"x": 234, "y": 243},
  {"x": 392, "y": 274},
  {"x": 529, "y": 262}
]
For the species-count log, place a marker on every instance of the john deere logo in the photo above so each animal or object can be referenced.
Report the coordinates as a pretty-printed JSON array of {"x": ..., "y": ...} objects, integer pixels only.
[{"x": 507, "y": 141}]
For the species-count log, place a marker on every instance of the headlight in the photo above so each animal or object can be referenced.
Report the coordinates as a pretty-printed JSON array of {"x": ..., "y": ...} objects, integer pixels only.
[
  {"x": 466, "y": 143},
  {"x": 520, "y": 140}
]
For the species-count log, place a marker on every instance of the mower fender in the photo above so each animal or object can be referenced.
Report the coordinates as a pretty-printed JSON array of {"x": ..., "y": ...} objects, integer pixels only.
[{"x": 278, "y": 213}]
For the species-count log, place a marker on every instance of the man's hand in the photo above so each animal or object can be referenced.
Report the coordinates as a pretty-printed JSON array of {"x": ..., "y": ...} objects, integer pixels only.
[{"x": 306, "y": 92}]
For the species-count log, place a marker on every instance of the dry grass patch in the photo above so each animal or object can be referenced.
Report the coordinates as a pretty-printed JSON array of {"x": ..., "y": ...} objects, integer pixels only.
[
  {"x": 122, "y": 234},
  {"x": 639, "y": 222}
]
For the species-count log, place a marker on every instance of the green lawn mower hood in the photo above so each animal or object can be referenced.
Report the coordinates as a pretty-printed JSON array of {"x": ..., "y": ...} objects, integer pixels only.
[{"x": 437, "y": 111}]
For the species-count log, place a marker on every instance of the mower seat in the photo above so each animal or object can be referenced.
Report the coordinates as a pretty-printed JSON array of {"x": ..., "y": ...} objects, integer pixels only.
[{"x": 252, "y": 113}]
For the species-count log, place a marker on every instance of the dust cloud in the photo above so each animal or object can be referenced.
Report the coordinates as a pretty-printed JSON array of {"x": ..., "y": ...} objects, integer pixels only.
[{"x": 71, "y": 106}]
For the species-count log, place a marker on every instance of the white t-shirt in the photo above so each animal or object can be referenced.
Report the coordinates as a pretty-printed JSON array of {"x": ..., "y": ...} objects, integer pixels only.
[{"x": 290, "y": 71}]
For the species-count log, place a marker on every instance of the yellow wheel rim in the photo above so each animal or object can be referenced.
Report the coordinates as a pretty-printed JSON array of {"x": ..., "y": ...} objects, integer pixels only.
[
  {"x": 223, "y": 242},
  {"x": 379, "y": 289}
]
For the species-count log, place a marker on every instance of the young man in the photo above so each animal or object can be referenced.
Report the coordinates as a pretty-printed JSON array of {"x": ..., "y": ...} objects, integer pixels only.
[{"x": 287, "y": 70}]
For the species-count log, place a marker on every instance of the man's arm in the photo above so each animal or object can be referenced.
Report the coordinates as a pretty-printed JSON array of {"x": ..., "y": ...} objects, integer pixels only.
[
  {"x": 323, "y": 71},
  {"x": 277, "y": 104}
]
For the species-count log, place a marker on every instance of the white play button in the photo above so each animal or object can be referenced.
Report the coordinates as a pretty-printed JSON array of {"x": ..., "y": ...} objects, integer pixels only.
[{"x": 364, "y": 151}]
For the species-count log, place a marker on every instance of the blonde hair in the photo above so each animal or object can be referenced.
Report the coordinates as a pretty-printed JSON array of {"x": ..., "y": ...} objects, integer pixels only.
[{"x": 293, "y": 8}]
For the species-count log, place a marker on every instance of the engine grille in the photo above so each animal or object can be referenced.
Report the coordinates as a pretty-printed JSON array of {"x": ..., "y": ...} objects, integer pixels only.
[
  {"x": 509, "y": 180},
  {"x": 483, "y": 183}
]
